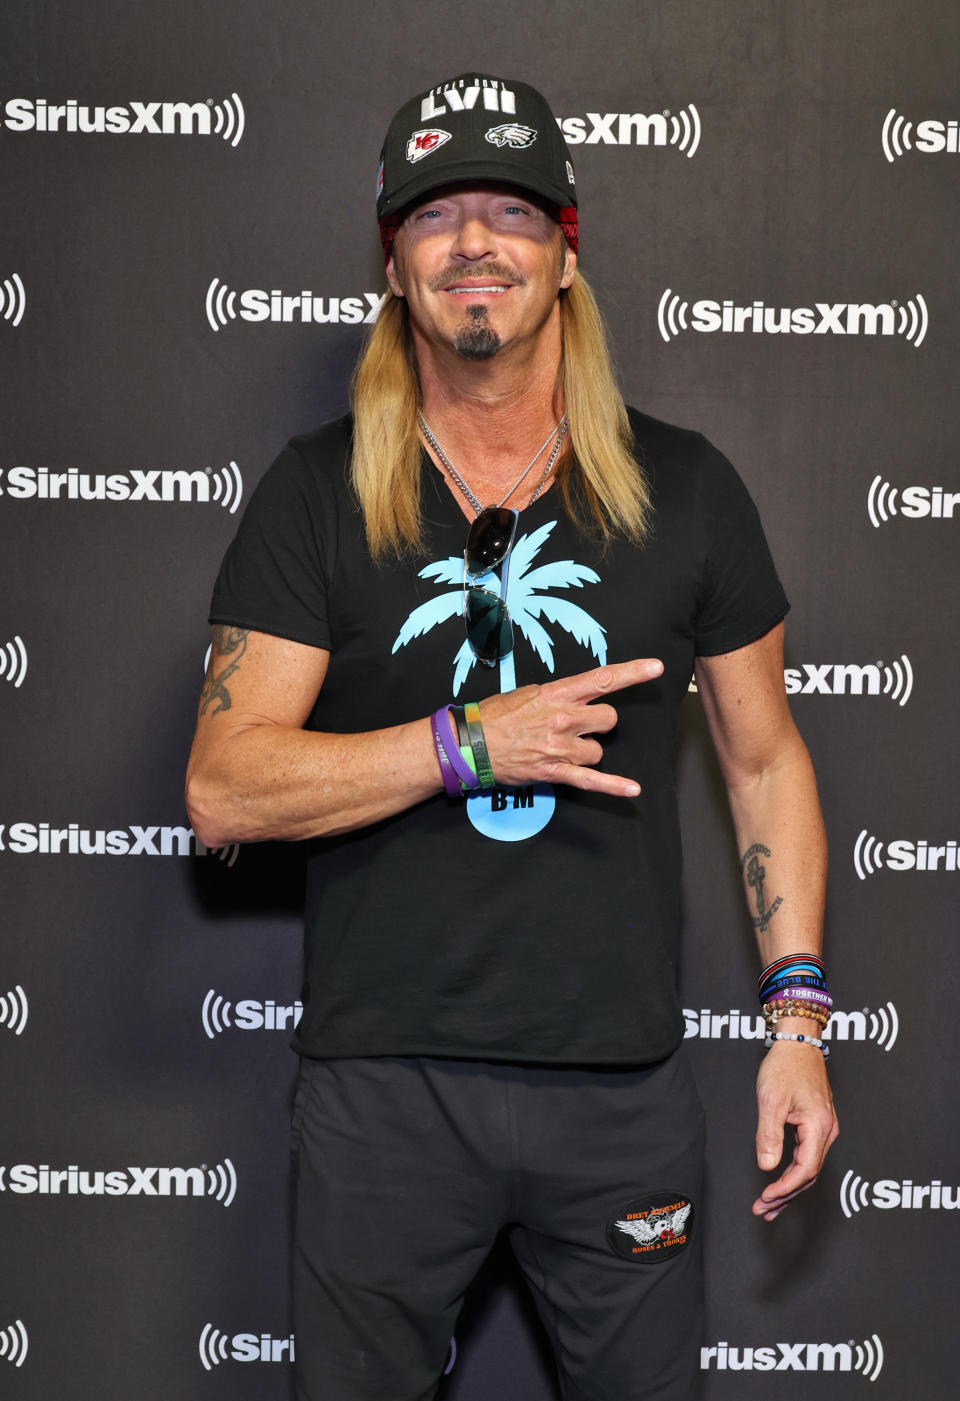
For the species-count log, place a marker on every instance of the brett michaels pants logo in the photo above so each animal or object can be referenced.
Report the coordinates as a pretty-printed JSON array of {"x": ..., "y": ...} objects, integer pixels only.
[
  {"x": 881, "y": 1026},
  {"x": 219, "y": 1015},
  {"x": 891, "y": 1195},
  {"x": 871, "y": 856},
  {"x": 28, "y": 1179},
  {"x": 14, "y": 1343},
  {"x": 224, "y": 119},
  {"x": 915, "y": 502},
  {"x": 259, "y": 305},
  {"x": 865, "y": 1358},
  {"x": 909, "y": 319},
  {"x": 666, "y": 128},
  {"x": 32, "y": 838},
  {"x": 897, "y": 136},
  {"x": 224, "y": 486}
]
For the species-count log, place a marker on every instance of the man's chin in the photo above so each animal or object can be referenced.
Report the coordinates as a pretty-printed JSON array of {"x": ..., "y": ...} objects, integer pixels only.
[{"x": 476, "y": 342}]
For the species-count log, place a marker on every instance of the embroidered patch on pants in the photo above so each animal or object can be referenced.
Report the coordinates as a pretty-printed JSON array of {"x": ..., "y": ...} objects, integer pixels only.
[{"x": 652, "y": 1228}]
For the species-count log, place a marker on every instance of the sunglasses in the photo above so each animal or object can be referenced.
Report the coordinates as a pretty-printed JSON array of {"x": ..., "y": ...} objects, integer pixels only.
[{"x": 489, "y": 542}]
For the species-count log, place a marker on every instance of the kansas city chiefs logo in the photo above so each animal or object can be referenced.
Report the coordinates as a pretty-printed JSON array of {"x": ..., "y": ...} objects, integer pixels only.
[
  {"x": 511, "y": 134},
  {"x": 427, "y": 139}
]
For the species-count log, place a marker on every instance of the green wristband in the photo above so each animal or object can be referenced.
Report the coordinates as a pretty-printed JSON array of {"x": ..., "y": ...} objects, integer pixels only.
[
  {"x": 471, "y": 713},
  {"x": 471, "y": 764}
]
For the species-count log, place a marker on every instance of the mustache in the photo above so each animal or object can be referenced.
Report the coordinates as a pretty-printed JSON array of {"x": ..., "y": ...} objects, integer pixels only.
[{"x": 496, "y": 272}]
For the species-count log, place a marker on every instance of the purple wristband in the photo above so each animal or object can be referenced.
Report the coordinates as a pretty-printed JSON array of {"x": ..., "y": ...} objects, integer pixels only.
[
  {"x": 450, "y": 780},
  {"x": 445, "y": 739},
  {"x": 811, "y": 995}
]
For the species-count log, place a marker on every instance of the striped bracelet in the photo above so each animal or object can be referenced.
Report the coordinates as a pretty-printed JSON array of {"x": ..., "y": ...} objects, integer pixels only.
[{"x": 471, "y": 715}]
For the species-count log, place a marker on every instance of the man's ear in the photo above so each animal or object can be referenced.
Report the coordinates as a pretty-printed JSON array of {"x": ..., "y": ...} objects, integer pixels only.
[
  {"x": 392, "y": 278},
  {"x": 569, "y": 265}
]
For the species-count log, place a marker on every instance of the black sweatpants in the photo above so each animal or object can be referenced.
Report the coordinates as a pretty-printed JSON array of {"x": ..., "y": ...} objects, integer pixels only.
[{"x": 408, "y": 1168}]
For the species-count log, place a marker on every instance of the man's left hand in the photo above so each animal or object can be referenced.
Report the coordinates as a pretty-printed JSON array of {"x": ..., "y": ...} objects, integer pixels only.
[{"x": 792, "y": 1088}]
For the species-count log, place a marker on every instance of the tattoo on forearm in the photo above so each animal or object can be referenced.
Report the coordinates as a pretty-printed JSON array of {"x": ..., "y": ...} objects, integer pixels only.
[
  {"x": 755, "y": 875},
  {"x": 227, "y": 642}
]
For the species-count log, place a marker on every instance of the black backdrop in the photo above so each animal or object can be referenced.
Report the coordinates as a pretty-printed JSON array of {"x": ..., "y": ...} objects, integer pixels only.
[{"x": 782, "y": 157}]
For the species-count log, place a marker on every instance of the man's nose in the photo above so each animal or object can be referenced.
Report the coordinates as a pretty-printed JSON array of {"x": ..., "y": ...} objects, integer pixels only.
[{"x": 474, "y": 239}]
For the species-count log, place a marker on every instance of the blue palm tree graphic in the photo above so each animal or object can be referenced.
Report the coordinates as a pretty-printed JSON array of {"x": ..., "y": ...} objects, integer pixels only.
[{"x": 528, "y": 606}]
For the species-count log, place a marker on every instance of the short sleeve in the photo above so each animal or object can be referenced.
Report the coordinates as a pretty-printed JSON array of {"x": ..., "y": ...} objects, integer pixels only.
[
  {"x": 741, "y": 597},
  {"x": 274, "y": 577}
]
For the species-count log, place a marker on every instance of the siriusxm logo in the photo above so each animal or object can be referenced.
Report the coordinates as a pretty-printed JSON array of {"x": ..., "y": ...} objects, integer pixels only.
[
  {"x": 871, "y": 856},
  {"x": 32, "y": 838},
  {"x": 846, "y": 679},
  {"x": 217, "y": 1347},
  {"x": 915, "y": 502},
  {"x": 931, "y": 137},
  {"x": 27, "y": 1179},
  {"x": 258, "y": 305},
  {"x": 909, "y": 319},
  {"x": 224, "y": 119},
  {"x": 13, "y": 662},
  {"x": 13, "y": 299},
  {"x": 14, "y": 1343},
  {"x": 881, "y": 1026},
  {"x": 681, "y": 130},
  {"x": 891, "y": 1195},
  {"x": 865, "y": 1358},
  {"x": 218, "y": 1015},
  {"x": 223, "y": 486},
  {"x": 849, "y": 679},
  {"x": 14, "y": 1010}
]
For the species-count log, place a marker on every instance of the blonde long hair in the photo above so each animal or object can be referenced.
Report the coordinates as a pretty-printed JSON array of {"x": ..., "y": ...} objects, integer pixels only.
[{"x": 602, "y": 486}]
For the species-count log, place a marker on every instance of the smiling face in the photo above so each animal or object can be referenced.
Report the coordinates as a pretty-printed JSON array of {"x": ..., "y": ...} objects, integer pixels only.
[{"x": 481, "y": 266}]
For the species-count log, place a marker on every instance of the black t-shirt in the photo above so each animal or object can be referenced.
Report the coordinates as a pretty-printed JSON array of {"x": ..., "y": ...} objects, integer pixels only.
[{"x": 529, "y": 924}]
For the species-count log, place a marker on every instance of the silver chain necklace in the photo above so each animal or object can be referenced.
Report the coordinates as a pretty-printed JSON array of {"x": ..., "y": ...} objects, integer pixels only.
[{"x": 560, "y": 430}]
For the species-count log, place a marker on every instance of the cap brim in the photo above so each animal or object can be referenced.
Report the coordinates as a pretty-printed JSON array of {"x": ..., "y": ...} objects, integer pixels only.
[{"x": 498, "y": 172}]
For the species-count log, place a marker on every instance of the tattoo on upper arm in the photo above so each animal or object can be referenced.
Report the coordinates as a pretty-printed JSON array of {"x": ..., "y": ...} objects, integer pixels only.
[
  {"x": 227, "y": 642},
  {"x": 754, "y": 874}
]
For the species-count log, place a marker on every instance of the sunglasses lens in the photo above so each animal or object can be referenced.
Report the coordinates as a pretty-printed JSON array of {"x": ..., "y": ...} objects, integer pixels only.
[
  {"x": 489, "y": 629},
  {"x": 490, "y": 538}
]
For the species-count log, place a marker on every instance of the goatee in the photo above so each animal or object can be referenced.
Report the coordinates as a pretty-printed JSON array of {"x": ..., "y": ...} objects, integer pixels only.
[{"x": 477, "y": 340}]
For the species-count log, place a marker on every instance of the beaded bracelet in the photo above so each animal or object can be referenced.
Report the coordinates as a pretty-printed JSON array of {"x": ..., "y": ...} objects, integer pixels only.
[
  {"x": 796, "y": 1036},
  {"x": 803, "y": 999},
  {"x": 772, "y": 1018},
  {"x": 803, "y": 1009}
]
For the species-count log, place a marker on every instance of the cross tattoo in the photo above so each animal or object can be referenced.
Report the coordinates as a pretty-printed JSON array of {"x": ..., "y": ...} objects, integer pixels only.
[{"x": 756, "y": 875}]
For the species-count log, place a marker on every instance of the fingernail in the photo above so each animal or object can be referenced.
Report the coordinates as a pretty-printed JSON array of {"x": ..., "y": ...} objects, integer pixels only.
[
  {"x": 767, "y": 1161},
  {"x": 632, "y": 790}
]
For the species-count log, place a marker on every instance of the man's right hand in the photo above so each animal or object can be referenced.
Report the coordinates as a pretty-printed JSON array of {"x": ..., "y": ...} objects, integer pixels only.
[{"x": 546, "y": 734}]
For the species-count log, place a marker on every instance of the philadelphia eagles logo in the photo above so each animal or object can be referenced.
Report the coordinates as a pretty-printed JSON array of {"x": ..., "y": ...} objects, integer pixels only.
[{"x": 511, "y": 134}]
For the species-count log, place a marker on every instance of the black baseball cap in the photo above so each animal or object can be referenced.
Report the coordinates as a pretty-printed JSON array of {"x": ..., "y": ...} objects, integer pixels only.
[{"x": 474, "y": 127}]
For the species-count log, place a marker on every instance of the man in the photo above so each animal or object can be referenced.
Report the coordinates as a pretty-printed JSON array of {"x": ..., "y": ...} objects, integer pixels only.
[{"x": 491, "y": 1036}]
